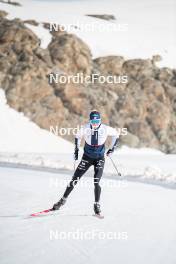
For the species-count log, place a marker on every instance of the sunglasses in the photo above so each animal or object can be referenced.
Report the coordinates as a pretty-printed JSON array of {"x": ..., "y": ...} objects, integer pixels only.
[{"x": 95, "y": 121}]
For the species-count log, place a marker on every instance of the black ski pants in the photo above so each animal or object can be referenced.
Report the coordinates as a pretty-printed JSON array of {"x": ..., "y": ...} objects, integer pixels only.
[{"x": 83, "y": 166}]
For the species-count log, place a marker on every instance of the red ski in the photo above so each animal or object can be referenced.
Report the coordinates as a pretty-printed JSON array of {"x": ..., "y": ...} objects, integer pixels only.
[
  {"x": 45, "y": 212},
  {"x": 42, "y": 212}
]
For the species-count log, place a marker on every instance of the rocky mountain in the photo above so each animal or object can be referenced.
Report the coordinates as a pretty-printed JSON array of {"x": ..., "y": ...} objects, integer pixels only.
[
  {"x": 145, "y": 105},
  {"x": 10, "y": 2},
  {"x": 104, "y": 16}
]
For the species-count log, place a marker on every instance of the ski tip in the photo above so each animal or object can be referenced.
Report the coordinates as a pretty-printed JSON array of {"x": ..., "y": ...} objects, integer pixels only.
[{"x": 42, "y": 212}]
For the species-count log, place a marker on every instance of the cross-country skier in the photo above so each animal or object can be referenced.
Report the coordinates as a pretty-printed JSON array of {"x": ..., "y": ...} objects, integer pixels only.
[{"x": 95, "y": 134}]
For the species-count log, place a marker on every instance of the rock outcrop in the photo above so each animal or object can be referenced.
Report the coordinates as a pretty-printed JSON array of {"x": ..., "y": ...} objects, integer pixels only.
[
  {"x": 145, "y": 105},
  {"x": 70, "y": 54},
  {"x": 104, "y": 17},
  {"x": 10, "y": 2}
]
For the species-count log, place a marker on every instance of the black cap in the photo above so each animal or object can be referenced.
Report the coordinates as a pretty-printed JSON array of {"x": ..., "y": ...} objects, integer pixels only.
[{"x": 94, "y": 115}]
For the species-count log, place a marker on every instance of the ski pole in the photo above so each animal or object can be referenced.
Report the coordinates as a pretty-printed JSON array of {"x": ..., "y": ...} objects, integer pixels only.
[
  {"x": 74, "y": 168},
  {"x": 118, "y": 173}
]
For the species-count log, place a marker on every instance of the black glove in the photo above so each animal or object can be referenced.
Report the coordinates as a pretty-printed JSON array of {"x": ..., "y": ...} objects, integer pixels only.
[
  {"x": 76, "y": 153},
  {"x": 110, "y": 151}
]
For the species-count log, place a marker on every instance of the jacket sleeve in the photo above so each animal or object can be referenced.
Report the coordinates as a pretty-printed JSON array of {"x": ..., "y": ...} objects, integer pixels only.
[{"x": 78, "y": 137}]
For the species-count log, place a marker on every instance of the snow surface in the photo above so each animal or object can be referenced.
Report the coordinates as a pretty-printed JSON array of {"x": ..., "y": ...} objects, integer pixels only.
[
  {"x": 42, "y": 33},
  {"x": 142, "y": 217},
  {"x": 19, "y": 134},
  {"x": 151, "y": 25}
]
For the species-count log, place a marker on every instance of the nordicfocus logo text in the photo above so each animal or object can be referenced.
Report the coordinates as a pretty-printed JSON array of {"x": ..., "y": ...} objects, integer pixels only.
[
  {"x": 89, "y": 27},
  {"x": 80, "y": 234},
  {"x": 63, "y": 131},
  {"x": 80, "y": 78}
]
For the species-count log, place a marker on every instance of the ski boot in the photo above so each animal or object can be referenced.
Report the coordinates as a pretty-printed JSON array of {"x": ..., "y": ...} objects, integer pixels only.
[
  {"x": 60, "y": 203},
  {"x": 97, "y": 210}
]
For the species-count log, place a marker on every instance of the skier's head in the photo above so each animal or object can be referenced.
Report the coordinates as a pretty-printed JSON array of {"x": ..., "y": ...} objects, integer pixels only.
[{"x": 95, "y": 119}]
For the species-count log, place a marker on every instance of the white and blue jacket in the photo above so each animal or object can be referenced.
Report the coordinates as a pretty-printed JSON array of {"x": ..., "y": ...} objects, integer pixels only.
[{"x": 95, "y": 139}]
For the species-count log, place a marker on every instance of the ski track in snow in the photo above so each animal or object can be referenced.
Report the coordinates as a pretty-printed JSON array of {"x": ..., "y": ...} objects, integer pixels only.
[{"x": 145, "y": 212}]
